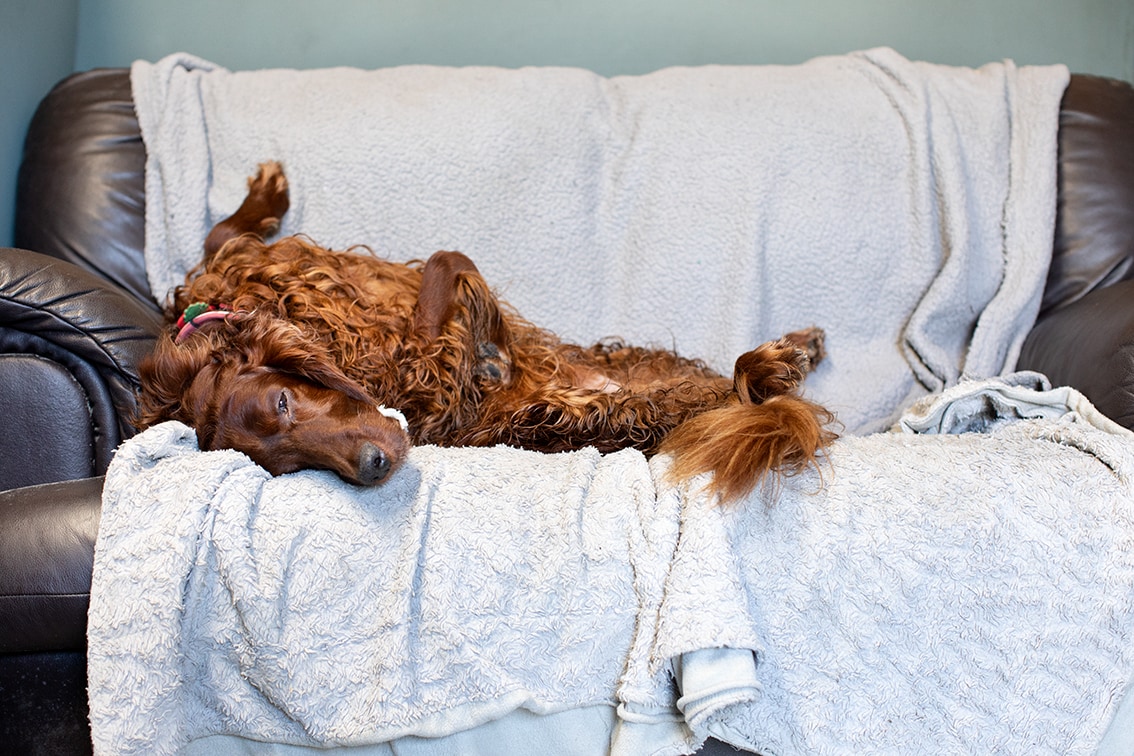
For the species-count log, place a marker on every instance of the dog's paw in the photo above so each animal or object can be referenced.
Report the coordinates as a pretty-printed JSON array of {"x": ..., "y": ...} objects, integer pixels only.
[
  {"x": 269, "y": 179},
  {"x": 269, "y": 189},
  {"x": 493, "y": 366},
  {"x": 777, "y": 367},
  {"x": 812, "y": 341}
]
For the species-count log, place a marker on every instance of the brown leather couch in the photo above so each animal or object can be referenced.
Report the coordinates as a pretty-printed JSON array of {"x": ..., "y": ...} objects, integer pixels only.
[{"x": 76, "y": 315}]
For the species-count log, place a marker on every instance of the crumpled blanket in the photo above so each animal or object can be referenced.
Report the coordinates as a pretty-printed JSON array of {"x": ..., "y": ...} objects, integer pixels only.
[
  {"x": 905, "y": 207},
  {"x": 976, "y": 406},
  {"x": 971, "y": 591},
  {"x": 953, "y": 590}
]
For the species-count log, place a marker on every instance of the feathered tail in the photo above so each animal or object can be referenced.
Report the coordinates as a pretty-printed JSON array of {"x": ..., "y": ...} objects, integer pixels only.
[{"x": 745, "y": 444}]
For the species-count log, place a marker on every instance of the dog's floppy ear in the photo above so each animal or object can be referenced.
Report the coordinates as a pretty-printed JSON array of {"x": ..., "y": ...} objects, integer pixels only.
[
  {"x": 166, "y": 375},
  {"x": 280, "y": 345},
  {"x": 436, "y": 302}
]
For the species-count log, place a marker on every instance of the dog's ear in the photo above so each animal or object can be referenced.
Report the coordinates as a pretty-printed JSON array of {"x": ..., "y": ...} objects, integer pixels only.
[
  {"x": 436, "y": 302},
  {"x": 166, "y": 375},
  {"x": 283, "y": 346}
]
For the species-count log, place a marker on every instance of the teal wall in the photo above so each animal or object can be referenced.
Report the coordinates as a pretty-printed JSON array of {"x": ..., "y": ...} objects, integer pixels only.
[
  {"x": 609, "y": 36},
  {"x": 37, "y": 48},
  {"x": 42, "y": 40}
]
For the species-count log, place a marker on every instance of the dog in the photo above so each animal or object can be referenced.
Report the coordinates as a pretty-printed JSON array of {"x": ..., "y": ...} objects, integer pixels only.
[{"x": 302, "y": 357}]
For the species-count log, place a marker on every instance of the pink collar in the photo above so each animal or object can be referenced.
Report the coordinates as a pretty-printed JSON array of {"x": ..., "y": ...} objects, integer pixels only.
[{"x": 196, "y": 315}]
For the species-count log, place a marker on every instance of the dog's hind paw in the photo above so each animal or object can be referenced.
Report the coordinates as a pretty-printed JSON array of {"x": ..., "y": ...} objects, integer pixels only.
[
  {"x": 493, "y": 366},
  {"x": 777, "y": 367},
  {"x": 813, "y": 343}
]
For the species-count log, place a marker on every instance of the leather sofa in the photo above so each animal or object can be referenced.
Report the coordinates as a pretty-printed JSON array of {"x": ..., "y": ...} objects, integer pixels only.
[{"x": 76, "y": 316}]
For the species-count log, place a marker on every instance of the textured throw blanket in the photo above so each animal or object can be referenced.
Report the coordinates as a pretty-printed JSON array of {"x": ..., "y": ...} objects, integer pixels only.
[
  {"x": 973, "y": 592},
  {"x": 961, "y": 593},
  {"x": 905, "y": 207},
  {"x": 300, "y": 610},
  {"x": 970, "y": 591}
]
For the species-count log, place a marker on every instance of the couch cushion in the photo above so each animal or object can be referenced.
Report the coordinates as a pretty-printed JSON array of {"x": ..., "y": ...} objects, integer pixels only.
[
  {"x": 47, "y": 539},
  {"x": 45, "y": 441}
]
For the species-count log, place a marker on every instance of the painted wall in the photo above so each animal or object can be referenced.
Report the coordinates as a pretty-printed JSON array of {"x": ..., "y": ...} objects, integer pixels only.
[
  {"x": 37, "y": 48},
  {"x": 609, "y": 36},
  {"x": 42, "y": 40}
]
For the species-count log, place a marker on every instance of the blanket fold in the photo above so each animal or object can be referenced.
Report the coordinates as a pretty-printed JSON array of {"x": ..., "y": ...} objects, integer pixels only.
[{"x": 974, "y": 406}]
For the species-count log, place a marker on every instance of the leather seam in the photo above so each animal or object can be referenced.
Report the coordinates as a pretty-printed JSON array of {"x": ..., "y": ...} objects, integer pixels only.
[{"x": 55, "y": 316}]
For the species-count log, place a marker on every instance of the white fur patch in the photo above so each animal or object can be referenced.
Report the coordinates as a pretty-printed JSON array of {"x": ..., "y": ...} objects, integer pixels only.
[{"x": 395, "y": 415}]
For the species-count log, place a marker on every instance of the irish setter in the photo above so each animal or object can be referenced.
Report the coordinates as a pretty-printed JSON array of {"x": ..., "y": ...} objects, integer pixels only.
[{"x": 311, "y": 358}]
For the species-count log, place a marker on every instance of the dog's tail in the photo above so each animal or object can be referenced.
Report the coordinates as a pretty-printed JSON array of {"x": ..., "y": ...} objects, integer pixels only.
[{"x": 746, "y": 444}]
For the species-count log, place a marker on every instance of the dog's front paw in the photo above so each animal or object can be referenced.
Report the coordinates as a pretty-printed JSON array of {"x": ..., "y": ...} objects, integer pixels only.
[{"x": 269, "y": 190}]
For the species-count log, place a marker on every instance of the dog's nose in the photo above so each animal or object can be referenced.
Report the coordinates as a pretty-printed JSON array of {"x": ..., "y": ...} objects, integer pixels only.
[{"x": 373, "y": 465}]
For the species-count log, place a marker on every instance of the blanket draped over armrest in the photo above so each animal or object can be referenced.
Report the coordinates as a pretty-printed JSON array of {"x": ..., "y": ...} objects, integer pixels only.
[
  {"x": 299, "y": 610},
  {"x": 905, "y": 207},
  {"x": 958, "y": 590}
]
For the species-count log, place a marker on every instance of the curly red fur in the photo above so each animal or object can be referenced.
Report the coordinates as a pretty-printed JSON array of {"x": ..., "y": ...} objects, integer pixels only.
[{"x": 432, "y": 340}]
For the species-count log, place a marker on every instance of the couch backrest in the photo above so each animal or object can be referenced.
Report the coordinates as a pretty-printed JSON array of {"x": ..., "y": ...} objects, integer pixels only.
[
  {"x": 81, "y": 188},
  {"x": 81, "y": 192}
]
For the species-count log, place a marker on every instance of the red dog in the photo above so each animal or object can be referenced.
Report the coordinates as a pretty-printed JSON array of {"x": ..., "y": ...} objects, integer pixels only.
[{"x": 304, "y": 348}]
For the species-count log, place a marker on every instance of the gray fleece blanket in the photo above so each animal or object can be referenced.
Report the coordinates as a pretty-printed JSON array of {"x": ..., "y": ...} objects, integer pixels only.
[
  {"x": 905, "y": 207},
  {"x": 299, "y": 610},
  {"x": 969, "y": 593},
  {"x": 974, "y": 591}
]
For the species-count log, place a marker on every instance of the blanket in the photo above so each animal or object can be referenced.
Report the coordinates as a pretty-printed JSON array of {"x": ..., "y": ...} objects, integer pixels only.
[
  {"x": 907, "y": 208},
  {"x": 297, "y": 610},
  {"x": 974, "y": 591},
  {"x": 968, "y": 592}
]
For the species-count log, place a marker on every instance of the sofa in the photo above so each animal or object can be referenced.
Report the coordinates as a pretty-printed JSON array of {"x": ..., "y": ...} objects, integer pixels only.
[{"x": 77, "y": 315}]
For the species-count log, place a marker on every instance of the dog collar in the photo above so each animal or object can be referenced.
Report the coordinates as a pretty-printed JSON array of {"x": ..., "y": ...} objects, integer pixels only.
[{"x": 196, "y": 315}]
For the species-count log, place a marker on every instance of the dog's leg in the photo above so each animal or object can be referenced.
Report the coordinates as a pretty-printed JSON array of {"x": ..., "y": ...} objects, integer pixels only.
[
  {"x": 259, "y": 214},
  {"x": 453, "y": 293},
  {"x": 777, "y": 367},
  {"x": 771, "y": 433},
  {"x": 436, "y": 302}
]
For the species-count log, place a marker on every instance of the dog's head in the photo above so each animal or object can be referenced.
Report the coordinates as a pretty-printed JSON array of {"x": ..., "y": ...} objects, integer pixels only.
[{"x": 259, "y": 385}]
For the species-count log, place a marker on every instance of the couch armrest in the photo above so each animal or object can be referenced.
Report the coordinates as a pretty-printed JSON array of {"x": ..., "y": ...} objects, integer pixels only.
[
  {"x": 65, "y": 330},
  {"x": 1090, "y": 345},
  {"x": 47, "y": 539}
]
